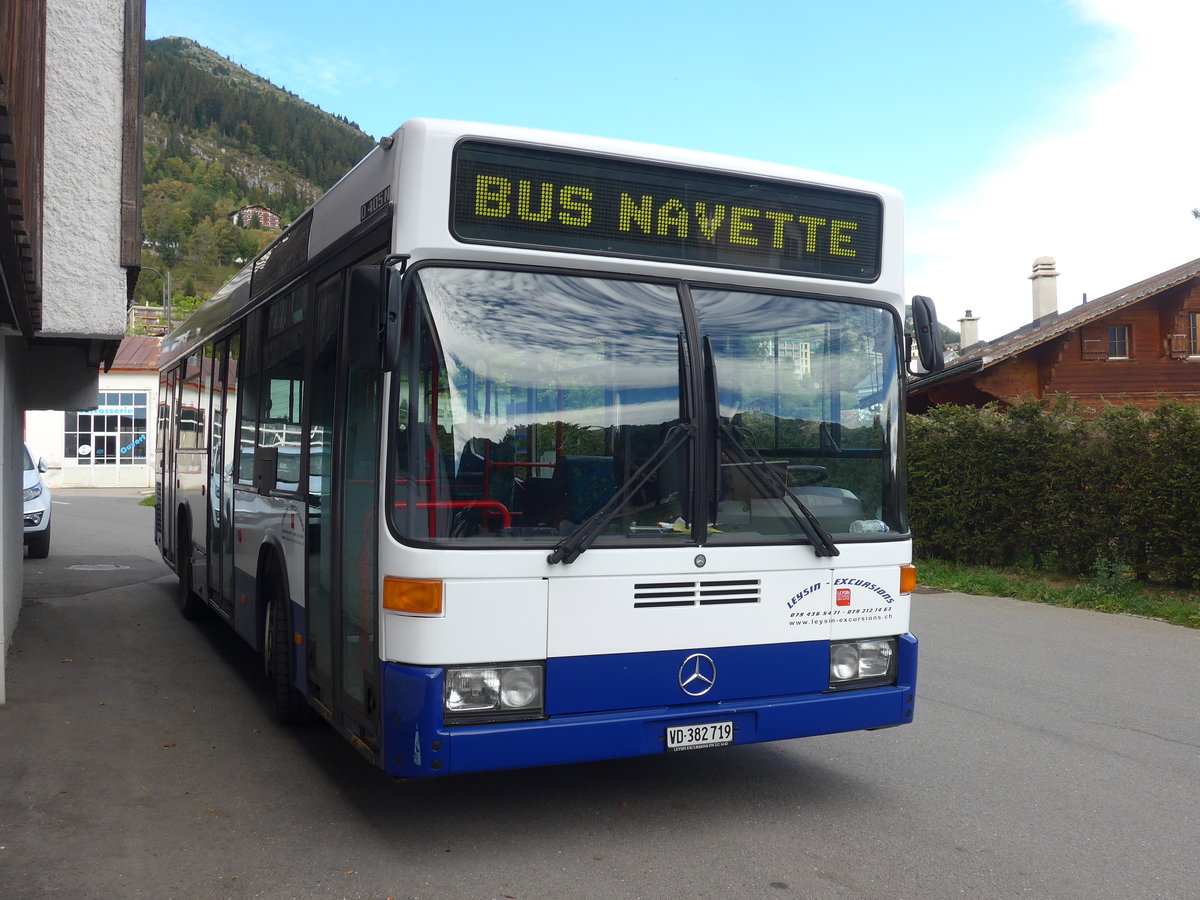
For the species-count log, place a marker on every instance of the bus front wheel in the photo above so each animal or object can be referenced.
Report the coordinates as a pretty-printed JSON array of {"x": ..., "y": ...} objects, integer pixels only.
[
  {"x": 277, "y": 656},
  {"x": 186, "y": 598}
]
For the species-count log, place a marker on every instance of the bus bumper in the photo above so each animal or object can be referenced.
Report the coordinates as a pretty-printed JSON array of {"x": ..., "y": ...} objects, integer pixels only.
[{"x": 417, "y": 745}]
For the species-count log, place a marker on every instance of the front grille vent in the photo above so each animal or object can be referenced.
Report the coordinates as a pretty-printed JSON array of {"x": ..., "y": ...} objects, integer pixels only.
[{"x": 695, "y": 593}]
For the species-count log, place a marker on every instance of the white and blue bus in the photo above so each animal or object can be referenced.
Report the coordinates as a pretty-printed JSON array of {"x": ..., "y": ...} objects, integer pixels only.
[{"x": 521, "y": 448}]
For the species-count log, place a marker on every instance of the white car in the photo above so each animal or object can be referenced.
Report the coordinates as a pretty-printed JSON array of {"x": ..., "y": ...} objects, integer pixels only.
[{"x": 37, "y": 509}]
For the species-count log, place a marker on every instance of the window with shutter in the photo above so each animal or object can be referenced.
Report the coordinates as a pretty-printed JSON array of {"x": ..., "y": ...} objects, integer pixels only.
[
  {"x": 1181, "y": 341},
  {"x": 1094, "y": 339}
]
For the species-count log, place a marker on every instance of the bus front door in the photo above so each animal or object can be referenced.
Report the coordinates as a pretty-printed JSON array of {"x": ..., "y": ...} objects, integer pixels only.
[
  {"x": 343, "y": 530},
  {"x": 220, "y": 475}
]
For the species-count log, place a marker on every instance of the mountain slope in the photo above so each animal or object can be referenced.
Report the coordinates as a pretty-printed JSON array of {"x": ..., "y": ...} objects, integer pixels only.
[
  {"x": 202, "y": 92},
  {"x": 218, "y": 137}
]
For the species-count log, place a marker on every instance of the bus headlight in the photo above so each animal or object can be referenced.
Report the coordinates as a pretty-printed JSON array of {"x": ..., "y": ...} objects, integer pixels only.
[
  {"x": 855, "y": 664},
  {"x": 475, "y": 693}
]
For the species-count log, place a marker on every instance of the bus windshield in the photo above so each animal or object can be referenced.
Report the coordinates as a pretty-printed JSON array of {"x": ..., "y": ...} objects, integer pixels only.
[{"x": 529, "y": 404}]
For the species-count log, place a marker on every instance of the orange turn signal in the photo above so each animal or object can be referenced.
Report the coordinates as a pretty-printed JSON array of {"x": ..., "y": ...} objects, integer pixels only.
[
  {"x": 411, "y": 596},
  {"x": 908, "y": 579}
]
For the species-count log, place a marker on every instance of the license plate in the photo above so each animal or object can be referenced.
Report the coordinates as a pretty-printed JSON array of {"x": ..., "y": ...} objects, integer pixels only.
[{"x": 696, "y": 737}]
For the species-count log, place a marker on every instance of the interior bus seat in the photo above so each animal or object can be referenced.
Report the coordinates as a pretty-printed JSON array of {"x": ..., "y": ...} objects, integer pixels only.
[
  {"x": 475, "y": 479},
  {"x": 583, "y": 484},
  {"x": 501, "y": 476},
  {"x": 468, "y": 479}
]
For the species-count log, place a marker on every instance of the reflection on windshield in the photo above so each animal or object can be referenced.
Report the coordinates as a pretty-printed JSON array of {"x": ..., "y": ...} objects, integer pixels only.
[
  {"x": 525, "y": 401},
  {"x": 809, "y": 388},
  {"x": 539, "y": 397}
]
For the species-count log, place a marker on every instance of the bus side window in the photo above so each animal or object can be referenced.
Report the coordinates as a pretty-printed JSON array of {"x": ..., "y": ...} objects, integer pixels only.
[
  {"x": 248, "y": 398},
  {"x": 282, "y": 384}
]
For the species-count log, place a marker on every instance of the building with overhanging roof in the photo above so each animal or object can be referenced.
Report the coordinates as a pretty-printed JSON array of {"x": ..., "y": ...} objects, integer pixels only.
[{"x": 1139, "y": 345}]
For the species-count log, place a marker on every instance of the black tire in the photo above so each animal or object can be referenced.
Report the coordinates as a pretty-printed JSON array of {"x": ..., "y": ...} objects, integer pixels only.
[
  {"x": 290, "y": 705},
  {"x": 39, "y": 544},
  {"x": 189, "y": 602}
]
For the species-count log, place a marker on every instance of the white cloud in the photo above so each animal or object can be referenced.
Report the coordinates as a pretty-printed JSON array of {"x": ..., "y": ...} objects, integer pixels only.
[{"x": 1107, "y": 189}]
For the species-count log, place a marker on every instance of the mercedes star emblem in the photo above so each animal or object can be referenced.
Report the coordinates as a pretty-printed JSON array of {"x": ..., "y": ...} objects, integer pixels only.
[{"x": 697, "y": 675}]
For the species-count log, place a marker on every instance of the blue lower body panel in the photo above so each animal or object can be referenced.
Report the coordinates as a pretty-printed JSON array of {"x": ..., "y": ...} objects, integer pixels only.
[{"x": 417, "y": 744}]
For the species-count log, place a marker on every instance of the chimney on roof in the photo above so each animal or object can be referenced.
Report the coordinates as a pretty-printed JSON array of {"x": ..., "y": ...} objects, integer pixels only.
[
  {"x": 1045, "y": 291},
  {"x": 968, "y": 330}
]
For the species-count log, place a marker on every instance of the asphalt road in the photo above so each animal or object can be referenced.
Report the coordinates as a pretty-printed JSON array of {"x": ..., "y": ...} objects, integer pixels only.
[{"x": 1055, "y": 754}]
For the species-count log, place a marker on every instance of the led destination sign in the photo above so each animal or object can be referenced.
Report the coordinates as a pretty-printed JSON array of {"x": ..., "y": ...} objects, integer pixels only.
[{"x": 567, "y": 201}]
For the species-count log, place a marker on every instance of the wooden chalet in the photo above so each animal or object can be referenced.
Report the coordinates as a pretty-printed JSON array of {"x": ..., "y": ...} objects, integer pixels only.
[{"x": 1139, "y": 345}]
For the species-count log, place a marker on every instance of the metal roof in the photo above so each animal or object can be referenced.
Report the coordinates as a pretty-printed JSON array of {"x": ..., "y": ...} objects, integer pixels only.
[{"x": 136, "y": 354}]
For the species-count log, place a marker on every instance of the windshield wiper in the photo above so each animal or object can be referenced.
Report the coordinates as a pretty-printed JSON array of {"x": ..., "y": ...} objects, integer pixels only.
[
  {"x": 771, "y": 484},
  {"x": 568, "y": 549}
]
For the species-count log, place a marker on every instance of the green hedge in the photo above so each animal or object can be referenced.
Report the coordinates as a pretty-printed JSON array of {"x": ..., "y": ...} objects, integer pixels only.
[{"x": 1059, "y": 487}]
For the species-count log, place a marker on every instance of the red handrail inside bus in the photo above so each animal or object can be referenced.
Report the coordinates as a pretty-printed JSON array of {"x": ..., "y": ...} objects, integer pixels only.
[{"x": 488, "y": 506}]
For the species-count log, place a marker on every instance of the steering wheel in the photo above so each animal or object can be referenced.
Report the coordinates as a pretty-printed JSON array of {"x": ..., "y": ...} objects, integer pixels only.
[{"x": 804, "y": 476}]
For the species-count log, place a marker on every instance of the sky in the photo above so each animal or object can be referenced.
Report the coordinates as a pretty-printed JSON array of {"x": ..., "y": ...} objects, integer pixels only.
[{"x": 1016, "y": 129}]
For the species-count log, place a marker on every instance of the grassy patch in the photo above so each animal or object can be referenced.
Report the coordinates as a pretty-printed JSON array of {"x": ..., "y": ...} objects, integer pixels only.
[
  {"x": 1105, "y": 592},
  {"x": 147, "y": 501}
]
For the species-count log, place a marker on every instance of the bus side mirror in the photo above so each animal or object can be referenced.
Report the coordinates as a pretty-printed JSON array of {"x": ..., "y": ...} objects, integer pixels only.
[
  {"x": 391, "y": 320},
  {"x": 928, "y": 333},
  {"x": 373, "y": 316},
  {"x": 363, "y": 308}
]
